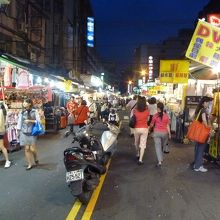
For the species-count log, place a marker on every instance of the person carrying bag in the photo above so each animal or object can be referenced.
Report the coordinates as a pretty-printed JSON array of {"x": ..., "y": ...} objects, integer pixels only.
[{"x": 199, "y": 132}]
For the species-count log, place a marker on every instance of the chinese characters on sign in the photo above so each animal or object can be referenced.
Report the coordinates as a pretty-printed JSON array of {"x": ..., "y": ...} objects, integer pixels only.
[
  {"x": 205, "y": 45},
  {"x": 174, "y": 71}
]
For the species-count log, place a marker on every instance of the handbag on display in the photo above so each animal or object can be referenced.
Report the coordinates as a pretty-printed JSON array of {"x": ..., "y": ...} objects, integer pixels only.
[
  {"x": 132, "y": 121},
  {"x": 37, "y": 129},
  {"x": 197, "y": 131}
]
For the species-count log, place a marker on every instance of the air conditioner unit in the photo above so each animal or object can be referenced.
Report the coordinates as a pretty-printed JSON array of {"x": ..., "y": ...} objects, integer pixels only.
[
  {"x": 21, "y": 26},
  {"x": 33, "y": 57}
]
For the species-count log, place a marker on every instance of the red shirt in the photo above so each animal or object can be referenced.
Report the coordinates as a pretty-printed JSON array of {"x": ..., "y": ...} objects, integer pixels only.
[
  {"x": 81, "y": 114},
  {"x": 160, "y": 125},
  {"x": 71, "y": 107},
  {"x": 141, "y": 118}
]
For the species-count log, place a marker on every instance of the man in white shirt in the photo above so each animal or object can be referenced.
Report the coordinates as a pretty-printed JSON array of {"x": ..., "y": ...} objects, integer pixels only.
[{"x": 131, "y": 106}]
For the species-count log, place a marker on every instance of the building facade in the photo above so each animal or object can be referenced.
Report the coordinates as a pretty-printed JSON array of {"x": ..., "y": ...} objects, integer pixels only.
[
  {"x": 51, "y": 34},
  {"x": 147, "y": 57}
]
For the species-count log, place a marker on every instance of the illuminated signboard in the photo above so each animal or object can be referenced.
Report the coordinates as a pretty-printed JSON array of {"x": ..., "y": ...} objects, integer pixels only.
[
  {"x": 151, "y": 68},
  {"x": 90, "y": 32},
  {"x": 214, "y": 19}
]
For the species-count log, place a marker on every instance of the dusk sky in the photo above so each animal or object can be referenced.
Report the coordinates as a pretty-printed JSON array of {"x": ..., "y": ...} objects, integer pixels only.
[{"x": 122, "y": 25}]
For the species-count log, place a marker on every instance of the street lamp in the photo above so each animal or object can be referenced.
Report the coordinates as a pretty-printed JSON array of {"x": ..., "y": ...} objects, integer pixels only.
[{"x": 143, "y": 72}]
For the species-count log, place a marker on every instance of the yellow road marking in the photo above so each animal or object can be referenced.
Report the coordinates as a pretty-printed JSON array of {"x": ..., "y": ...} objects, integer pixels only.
[
  {"x": 91, "y": 205},
  {"x": 74, "y": 211}
]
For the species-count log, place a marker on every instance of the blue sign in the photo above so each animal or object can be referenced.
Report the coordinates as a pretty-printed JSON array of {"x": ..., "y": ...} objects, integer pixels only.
[{"x": 90, "y": 32}]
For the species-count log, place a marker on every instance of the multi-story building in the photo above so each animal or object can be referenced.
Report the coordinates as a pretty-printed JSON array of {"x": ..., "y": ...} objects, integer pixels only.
[
  {"x": 22, "y": 28},
  {"x": 56, "y": 35},
  {"x": 147, "y": 57}
]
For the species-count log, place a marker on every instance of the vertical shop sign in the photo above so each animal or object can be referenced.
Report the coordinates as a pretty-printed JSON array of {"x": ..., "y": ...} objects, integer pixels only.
[
  {"x": 204, "y": 46},
  {"x": 68, "y": 85},
  {"x": 174, "y": 71},
  {"x": 90, "y": 31}
]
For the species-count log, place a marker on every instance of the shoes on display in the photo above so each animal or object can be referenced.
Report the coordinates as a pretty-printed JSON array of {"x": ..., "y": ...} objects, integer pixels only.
[
  {"x": 201, "y": 169},
  {"x": 7, "y": 164}
]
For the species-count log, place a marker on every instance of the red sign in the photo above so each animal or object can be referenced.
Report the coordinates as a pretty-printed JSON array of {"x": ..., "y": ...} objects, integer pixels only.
[{"x": 214, "y": 19}]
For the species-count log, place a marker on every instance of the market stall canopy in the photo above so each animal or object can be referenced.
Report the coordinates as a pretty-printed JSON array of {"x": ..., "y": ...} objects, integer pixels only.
[
  {"x": 54, "y": 73},
  {"x": 200, "y": 71}
]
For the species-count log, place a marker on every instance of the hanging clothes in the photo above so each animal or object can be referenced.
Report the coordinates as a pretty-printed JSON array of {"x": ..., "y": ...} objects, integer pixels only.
[{"x": 3, "y": 113}]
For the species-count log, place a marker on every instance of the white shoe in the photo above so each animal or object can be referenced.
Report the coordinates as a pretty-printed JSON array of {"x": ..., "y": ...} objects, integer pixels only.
[
  {"x": 7, "y": 164},
  {"x": 201, "y": 169}
]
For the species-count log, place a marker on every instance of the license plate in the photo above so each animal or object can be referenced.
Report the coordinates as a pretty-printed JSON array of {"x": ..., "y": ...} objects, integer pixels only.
[{"x": 74, "y": 175}]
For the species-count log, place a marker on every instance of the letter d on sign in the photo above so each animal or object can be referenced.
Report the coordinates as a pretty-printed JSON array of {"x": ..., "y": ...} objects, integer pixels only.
[{"x": 203, "y": 31}]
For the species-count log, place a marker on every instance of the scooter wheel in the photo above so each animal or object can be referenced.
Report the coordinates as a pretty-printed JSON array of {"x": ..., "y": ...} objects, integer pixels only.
[
  {"x": 105, "y": 159},
  {"x": 84, "y": 197},
  {"x": 103, "y": 170}
]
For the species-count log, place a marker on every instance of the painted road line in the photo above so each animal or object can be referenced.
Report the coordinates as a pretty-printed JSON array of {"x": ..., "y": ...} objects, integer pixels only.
[
  {"x": 74, "y": 211},
  {"x": 91, "y": 205}
]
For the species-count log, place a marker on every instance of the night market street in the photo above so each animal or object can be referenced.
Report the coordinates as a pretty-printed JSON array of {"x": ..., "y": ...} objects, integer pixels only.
[{"x": 129, "y": 191}]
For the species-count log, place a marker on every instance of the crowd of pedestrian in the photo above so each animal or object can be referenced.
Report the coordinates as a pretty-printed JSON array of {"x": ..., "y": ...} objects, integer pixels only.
[
  {"x": 151, "y": 116},
  {"x": 79, "y": 111},
  {"x": 82, "y": 113}
]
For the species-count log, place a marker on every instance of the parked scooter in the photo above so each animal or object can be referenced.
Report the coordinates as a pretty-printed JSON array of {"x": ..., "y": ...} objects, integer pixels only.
[{"x": 86, "y": 160}]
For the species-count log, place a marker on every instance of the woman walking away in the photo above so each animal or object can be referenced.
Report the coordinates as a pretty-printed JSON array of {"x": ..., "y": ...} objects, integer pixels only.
[
  {"x": 2, "y": 133},
  {"x": 152, "y": 107},
  {"x": 26, "y": 120},
  {"x": 161, "y": 124},
  {"x": 202, "y": 114},
  {"x": 141, "y": 128},
  {"x": 81, "y": 117}
]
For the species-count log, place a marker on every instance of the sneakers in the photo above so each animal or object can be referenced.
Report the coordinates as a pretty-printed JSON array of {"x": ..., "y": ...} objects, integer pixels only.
[
  {"x": 159, "y": 164},
  {"x": 7, "y": 164},
  {"x": 201, "y": 169}
]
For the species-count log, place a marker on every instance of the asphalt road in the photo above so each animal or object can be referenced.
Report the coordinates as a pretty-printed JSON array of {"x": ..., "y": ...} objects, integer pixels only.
[
  {"x": 173, "y": 192},
  {"x": 40, "y": 193},
  {"x": 132, "y": 192}
]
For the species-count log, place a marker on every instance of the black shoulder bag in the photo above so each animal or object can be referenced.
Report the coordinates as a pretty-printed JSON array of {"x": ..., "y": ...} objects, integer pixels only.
[{"x": 132, "y": 121}]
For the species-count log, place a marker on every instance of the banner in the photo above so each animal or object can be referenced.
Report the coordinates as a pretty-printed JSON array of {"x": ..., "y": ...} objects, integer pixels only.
[
  {"x": 174, "y": 71},
  {"x": 23, "y": 79},
  {"x": 204, "y": 46},
  {"x": 67, "y": 85}
]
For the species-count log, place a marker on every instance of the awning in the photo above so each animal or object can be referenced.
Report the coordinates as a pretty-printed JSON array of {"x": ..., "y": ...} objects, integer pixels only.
[
  {"x": 202, "y": 72},
  {"x": 59, "y": 74}
]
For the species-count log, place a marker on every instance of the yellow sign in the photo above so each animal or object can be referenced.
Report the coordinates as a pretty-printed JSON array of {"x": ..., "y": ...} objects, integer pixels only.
[
  {"x": 205, "y": 45},
  {"x": 68, "y": 85},
  {"x": 174, "y": 71}
]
